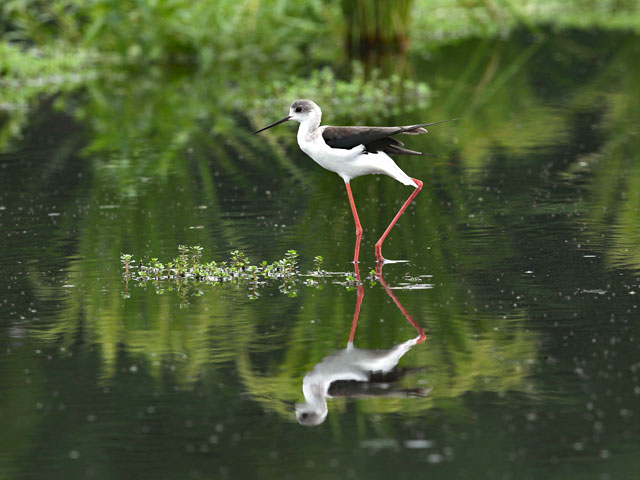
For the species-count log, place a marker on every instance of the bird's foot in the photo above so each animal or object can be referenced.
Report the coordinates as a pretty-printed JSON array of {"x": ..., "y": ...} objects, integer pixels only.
[
  {"x": 387, "y": 261},
  {"x": 379, "y": 256},
  {"x": 380, "y": 260}
]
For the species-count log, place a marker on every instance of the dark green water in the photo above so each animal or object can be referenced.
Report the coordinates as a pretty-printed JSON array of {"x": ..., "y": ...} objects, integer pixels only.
[{"x": 523, "y": 268}]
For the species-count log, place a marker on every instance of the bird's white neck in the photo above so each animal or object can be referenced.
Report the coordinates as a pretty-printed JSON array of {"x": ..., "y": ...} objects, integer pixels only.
[{"x": 308, "y": 129}]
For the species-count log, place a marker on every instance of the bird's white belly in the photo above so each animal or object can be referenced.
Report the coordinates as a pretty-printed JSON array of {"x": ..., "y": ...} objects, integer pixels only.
[
  {"x": 353, "y": 162},
  {"x": 333, "y": 159}
]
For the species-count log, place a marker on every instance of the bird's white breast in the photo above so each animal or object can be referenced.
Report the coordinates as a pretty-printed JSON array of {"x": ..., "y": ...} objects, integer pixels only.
[{"x": 339, "y": 160}]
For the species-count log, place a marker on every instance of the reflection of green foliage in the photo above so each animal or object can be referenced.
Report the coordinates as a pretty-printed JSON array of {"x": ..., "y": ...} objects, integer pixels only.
[
  {"x": 23, "y": 372},
  {"x": 615, "y": 166},
  {"x": 128, "y": 126},
  {"x": 219, "y": 328},
  {"x": 169, "y": 338},
  {"x": 26, "y": 76},
  {"x": 497, "y": 104},
  {"x": 623, "y": 209},
  {"x": 134, "y": 223}
]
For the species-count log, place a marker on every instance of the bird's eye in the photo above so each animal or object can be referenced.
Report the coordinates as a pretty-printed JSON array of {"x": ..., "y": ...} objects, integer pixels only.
[{"x": 298, "y": 109}]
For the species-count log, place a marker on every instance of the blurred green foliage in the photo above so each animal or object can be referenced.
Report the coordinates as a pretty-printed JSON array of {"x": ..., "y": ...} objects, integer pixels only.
[
  {"x": 142, "y": 31},
  {"x": 381, "y": 24},
  {"x": 438, "y": 20},
  {"x": 174, "y": 31},
  {"x": 353, "y": 100},
  {"x": 261, "y": 40}
]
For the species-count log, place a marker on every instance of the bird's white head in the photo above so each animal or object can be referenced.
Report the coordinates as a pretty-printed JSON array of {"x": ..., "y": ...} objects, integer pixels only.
[{"x": 302, "y": 111}]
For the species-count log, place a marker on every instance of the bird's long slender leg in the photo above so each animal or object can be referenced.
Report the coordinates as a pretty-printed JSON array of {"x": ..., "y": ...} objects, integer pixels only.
[
  {"x": 356, "y": 253},
  {"x": 406, "y": 314},
  {"x": 395, "y": 219}
]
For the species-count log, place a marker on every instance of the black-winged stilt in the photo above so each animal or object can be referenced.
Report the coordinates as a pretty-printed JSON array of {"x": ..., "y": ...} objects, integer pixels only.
[{"x": 352, "y": 152}]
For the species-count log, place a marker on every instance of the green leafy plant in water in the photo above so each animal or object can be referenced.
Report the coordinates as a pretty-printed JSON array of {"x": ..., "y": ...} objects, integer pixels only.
[
  {"x": 350, "y": 281},
  {"x": 196, "y": 253},
  {"x": 126, "y": 261},
  {"x": 187, "y": 271}
]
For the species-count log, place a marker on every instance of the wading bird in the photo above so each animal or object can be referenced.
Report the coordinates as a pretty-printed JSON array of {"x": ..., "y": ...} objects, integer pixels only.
[{"x": 352, "y": 152}]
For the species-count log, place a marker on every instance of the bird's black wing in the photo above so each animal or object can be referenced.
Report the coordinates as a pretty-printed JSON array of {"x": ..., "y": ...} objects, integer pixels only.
[{"x": 375, "y": 139}]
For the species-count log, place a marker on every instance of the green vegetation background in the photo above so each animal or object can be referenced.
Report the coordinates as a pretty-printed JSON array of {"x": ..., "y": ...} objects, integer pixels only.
[{"x": 252, "y": 50}]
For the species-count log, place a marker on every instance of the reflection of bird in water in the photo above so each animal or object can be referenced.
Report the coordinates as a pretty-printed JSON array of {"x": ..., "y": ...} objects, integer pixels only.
[
  {"x": 352, "y": 152},
  {"x": 366, "y": 367},
  {"x": 354, "y": 372}
]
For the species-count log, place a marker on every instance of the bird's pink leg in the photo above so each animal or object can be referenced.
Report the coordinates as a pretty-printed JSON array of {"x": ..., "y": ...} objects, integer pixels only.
[
  {"x": 395, "y": 219},
  {"x": 356, "y": 253}
]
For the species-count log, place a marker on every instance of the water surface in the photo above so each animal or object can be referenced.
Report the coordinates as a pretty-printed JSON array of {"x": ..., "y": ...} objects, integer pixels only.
[{"x": 522, "y": 266}]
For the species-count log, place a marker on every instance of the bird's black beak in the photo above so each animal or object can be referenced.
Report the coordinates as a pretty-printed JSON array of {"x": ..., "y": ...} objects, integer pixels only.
[{"x": 288, "y": 117}]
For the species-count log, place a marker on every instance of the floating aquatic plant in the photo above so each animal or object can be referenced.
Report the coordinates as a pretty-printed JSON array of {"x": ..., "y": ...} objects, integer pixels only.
[{"x": 188, "y": 271}]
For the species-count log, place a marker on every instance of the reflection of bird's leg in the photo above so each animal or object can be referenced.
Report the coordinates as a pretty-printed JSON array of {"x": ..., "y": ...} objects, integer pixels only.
[
  {"x": 356, "y": 312},
  {"x": 406, "y": 314}
]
